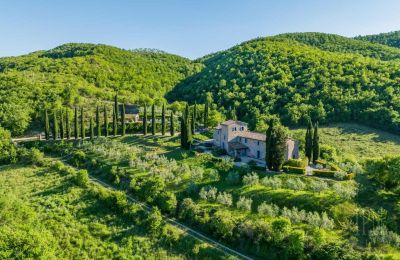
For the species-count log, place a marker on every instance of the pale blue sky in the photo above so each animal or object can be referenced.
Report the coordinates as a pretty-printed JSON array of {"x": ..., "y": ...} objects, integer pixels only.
[{"x": 189, "y": 28}]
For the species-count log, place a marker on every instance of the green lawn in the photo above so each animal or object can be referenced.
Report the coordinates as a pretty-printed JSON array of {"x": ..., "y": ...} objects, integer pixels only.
[{"x": 356, "y": 141}]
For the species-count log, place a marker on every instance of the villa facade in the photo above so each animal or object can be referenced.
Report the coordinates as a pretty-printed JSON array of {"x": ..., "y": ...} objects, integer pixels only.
[{"x": 235, "y": 138}]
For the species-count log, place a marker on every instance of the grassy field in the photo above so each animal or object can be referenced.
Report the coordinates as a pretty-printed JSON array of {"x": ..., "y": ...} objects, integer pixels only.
[
  {"x": 44, "y": 215},
  {"x": 356, "y": 141}
]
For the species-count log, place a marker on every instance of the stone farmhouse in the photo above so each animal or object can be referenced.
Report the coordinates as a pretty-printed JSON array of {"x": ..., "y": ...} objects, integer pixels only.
[{"x": 238, "y": 141}]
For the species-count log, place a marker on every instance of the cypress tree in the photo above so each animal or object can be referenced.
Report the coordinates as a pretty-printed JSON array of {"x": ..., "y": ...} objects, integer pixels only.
[
  {"x": 55, "y": 126},
  {"x": 183, "y": 134},
  {"x": 315, "y": 143},
  {"x": 91, "y": 129},
  {"x": 67, "y": 124},
  {"x": 278, "y": 147},
  {"x": 194, "y": 116},
  {"x": 62, "y": 126},
  {"x": 98, "y": 127},
  {"x": 115, "y": 124},
  {"x": 76, "y": 133},
  {"x": 145, "y": 120},
  {"x": 123, "y": 120},
  {"x": 153, "y": 120},
  {"x": 309, "y": 142},
  {"x": 205, "y": 115},
  {"x": 268, "y": 144},
  {"x": 186, "y": 131},
  {"x": 163, "y": 120},
  {"x": 172, "y": 126},
  {"x": 192, "y": 122},
  {"x": 46, "y": 125},
  {"x": 116, "y": 106},
  {"x": 82, "y": 125},
  {"x": 105, "y": 122}
]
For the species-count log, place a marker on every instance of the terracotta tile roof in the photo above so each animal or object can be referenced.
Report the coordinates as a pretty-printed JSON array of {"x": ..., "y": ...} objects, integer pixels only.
[
  {"x": 252, "y": 135},
  {"x": 231, "y": 122}
]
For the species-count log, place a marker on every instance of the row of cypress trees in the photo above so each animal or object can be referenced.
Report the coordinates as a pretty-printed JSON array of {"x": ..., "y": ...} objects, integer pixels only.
[
  {"x": 153, "y": 121},
  {"x": 312, "y": 150}
]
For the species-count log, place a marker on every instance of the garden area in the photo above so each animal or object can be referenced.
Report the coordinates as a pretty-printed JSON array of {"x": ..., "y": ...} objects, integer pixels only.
[{"x": 259, "y": 213}]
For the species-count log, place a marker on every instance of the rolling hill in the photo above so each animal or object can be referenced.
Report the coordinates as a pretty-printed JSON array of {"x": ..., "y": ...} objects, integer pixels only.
[
  {"x": 297, "y": 76},
  {"x": 80, "y": 73},
  {"x": 391, "y": 38}
]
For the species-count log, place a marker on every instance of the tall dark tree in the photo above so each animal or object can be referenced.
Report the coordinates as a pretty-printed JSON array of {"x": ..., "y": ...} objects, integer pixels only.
[
  {"x": 153, "y": 120},
  {"x": 171, "y": 124},
  {"x": 55, "y": 126},
  {"x": 186, "y": 132},
  {"x": 315, "y": 144},
  {"x": 194, "y": 118},
  {"x": 123, "y": 120},
  {"x": 308, "y": 149},
  {"x": 62, "y": 125},
  {"x": 76, "y": 133},
  {"x": 183, "y": 134},
  {"x": 82, "y": 125},
  {"x": 163, "y": 120},
  {"x": 278, "y": 147},
  {"x": 268, "y": 144},
  {"x": 46, "y": 125},
  {"x": 116, "y": 106},
  {"x": 98, "y": 126},
  {"x": 192, "y": 123},
  {"x": 115, "y": 124},
  {"x": 105, "y": 122},
  {"x": 205, "y": 115},
  {"x": 145, "y": 120},
  {"x": 67, "y": 124},
  {"x": 91, "y": 128}
]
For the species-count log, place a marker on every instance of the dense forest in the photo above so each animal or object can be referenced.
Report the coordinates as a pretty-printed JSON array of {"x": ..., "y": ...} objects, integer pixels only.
[
  {"x": 298, "y": 76},
  {"x": 74, "y": 74},
  {"x": 390, "y": 38}
]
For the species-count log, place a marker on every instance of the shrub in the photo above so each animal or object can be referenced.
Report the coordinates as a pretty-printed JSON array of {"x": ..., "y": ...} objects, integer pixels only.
[
  {"x": 345, "y": 191},
  {"x": 299, "y": 163},
  {"x": 166, "y": 201},
  {"x": 233, "y": 178},
  {"x": 380, "y": 235},
  {"x": 273, "y": 182},
  {"x": 324, "y": 173},
  {"x": 224, "y": 198},
  {"x": 8, "y": 152},
  {"x": 250, "y": 179},
  {"x": 328, "y": 152},
  {"x": 78, "y": 158},
  {"x": 339, "y": 175},
  {"x": 82, "y": 178},
  {"x": 350, "y": 176},
  {"x": 208, "y": 193},
  {"x": 244, "y": 203},
  {"x": 35, "y": 157},
  {"x": 318, "y": 186},
  {"x": 295, "y": 170},
  {"x": 295, "y": 184},
  {"x": 225, "y": 164},
  {"x": 271, "y": 210},
  {"x": 218, "y": 151},
  {"x": 334, "y": 167},
  {"x": 58, "y": 166}
]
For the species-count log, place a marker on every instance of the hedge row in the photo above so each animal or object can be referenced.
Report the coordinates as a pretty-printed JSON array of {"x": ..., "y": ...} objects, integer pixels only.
[
  {"x": 324, "y": 173},
  {"x": 295, "y": 170}
]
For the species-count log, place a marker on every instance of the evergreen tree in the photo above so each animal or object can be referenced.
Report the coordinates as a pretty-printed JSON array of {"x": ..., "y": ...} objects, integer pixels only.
[
  {"x": 278, "y": 147},
  {"x": 153, "y": 120},
  {"x": 172, "y": 126},
  {"x": 186, "y": 132},
  {"x": 205, "y": 115},
  {"x": 91, "y": 129},
  {"x": 62, "y": 126},
  {"x": 183, "y": 134},
  {"x": 116, "y": 107},
  {"x": 268, "y": 144},
  {"x": 145, "y": 120},
  {"x": 76, "y": 133},
  {"x": 309, "y": 142},
  {"x": 232, "y": 113},
  {"x": 315, "y": 144},
  {"x": 192, "y": 123},
  {"x": 163, "y": 120},
  {"x": 105, "y": 122},
  {"x": 98, "y": 127},
  {"x": 115, "y": 124},
  {"x": 55, "y": 126},
  {"x": 82, "y": 125},
  {"x": 67, "y": 124},
  {"x": 46, "y": 125},
  {"x": 123, "y": 120},
  {"x": 194, "y": 118}
]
